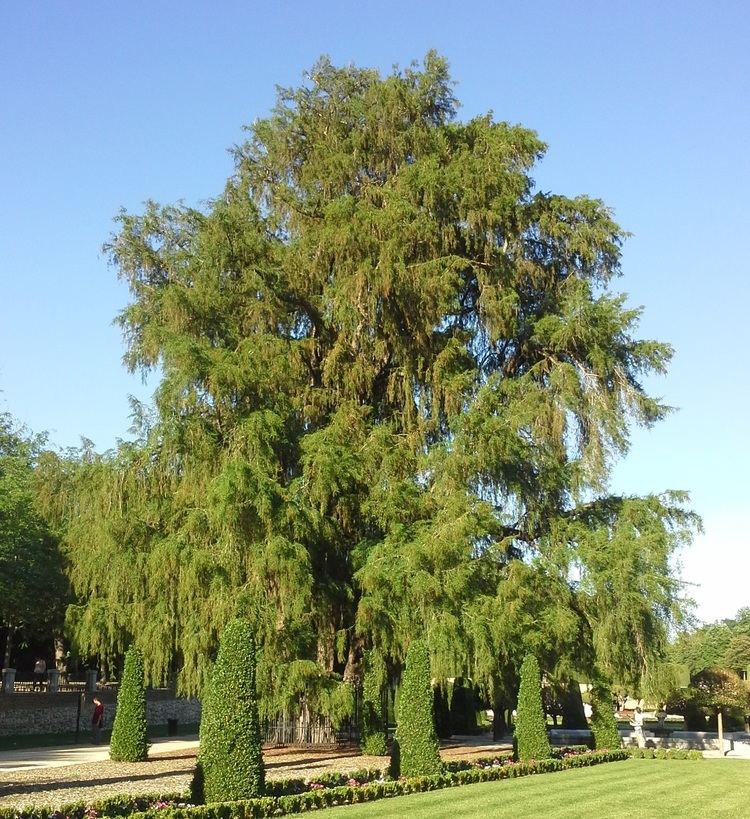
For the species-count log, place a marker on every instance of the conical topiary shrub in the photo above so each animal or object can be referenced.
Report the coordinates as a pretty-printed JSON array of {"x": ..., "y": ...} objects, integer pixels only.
[
  {"x": 603, "y": 722},
  {"x": 416, "y": 751},
  {"x": 128, "y": 742},
  {"x": 230, "y": 761},
  {"x": 531, "y": 726},
  {"x": 373, "y": 739}
]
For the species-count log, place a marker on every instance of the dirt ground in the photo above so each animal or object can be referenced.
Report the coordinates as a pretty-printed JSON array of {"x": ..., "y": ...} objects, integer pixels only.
[{"x": 171, "y": 772}]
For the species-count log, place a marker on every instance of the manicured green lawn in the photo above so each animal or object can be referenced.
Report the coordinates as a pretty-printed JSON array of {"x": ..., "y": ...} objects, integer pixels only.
[{"x": 636, "y": 788}]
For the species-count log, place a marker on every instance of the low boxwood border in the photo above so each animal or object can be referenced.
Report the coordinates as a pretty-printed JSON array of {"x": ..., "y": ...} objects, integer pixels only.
[
  {"x": 292, "y": 795},
  {"x": 267, "y": 806}
]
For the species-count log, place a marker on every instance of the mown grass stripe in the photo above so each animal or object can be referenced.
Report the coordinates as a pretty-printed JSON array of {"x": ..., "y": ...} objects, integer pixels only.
[{"x": 669, "y": 789}]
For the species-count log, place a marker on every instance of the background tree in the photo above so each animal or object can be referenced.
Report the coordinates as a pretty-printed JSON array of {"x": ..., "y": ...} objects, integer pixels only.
[
  {"x": 128, "y": 742},
  {"x": 531, "y": 724},
  {"x": 33, "y": 587},
  {"x": 391, "y": 368},
  {"x": 712, "y": 691},
  {"x": 416, "y": 750},
  {"x": 230, "y": 762},
  {"x": 737, "y": 654}
]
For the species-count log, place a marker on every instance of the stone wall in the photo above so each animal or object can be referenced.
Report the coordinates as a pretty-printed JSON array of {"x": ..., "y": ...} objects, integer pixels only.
[{"x": 43, "y": 713}]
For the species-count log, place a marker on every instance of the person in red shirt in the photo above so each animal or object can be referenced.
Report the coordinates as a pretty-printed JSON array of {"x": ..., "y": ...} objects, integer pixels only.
[{"x": 97, "y": 720}]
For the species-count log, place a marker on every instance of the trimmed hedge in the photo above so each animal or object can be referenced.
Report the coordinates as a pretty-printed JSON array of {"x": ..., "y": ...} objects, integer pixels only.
[
  {"x": 416, "y": 750},
  {"x": 374, "y": 740},
  {"x": 531, "y": 725},
  {"x": 230, "y": 761},
  {"x": 603, "y": 722},
  {"x": 128, "y": 742}
]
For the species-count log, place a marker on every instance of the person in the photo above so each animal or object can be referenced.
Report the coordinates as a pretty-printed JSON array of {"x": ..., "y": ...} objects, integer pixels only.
[
  {"x": 97, "y": 720},
  {"x": 661, "y": 716},
  {"x": 638, "y": 726},
  {"x": 40, "y": 670}
]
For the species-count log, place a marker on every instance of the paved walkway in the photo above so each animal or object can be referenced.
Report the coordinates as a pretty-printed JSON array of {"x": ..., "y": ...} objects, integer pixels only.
[{"x": 57, "y": 757}]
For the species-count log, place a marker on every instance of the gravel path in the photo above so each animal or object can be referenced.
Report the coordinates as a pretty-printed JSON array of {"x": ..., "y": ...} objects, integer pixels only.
[{"x": 171, "y": 773}]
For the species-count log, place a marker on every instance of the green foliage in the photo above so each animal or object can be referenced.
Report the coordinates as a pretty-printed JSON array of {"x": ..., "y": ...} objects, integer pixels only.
[
  {"x": 230, "y": 762},
  {"x": 531, "y": 726},
  {"x": 373, "y": 738},
  {"x": 603, "y": 722},
  {"x": 128, "y": 742},
  {"x": 416, "y": 748}
]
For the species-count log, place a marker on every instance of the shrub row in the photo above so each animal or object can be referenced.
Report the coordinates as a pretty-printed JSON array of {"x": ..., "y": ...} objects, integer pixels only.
[
  {"x": 324, "y": 798},
  {"x": 113, "y": 806},
  {"x": 507, "y": 758},
  {"x": 664, "y": 753},
  {"x": 285, "y": 787}
]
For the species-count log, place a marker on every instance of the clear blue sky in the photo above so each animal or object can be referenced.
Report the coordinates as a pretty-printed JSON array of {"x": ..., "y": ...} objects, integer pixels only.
[{"x": 646, "y": 105}]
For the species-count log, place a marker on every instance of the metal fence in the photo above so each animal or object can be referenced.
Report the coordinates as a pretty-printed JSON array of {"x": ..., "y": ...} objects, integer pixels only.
[
  {"x": 312, "y": 731},
  {"x": 66, "y": 685}
]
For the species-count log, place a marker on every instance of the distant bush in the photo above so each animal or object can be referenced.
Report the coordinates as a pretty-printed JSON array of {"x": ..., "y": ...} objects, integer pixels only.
[{"x": 664, "y": 753}]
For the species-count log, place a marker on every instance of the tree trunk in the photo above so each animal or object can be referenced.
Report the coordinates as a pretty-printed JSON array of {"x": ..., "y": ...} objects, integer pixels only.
[
  {"x": 499, "y": 724},
  {"x": 8, "y": 645},
  {"x": 573, "y": 715},
  {"x": 353, "y": 668}
]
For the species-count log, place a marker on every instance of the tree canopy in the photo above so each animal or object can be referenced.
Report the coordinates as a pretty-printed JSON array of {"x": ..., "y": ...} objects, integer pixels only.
[{"x": 394, "y": 376}]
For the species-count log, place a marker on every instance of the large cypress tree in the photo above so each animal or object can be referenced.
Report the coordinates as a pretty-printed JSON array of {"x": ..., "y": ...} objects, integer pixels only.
[
  {"x": 128, "y": 742},
  {"x": 416, "y": 751},
  {"x": 390, "y": 367},
  {"x": 230, "y": 760}
]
